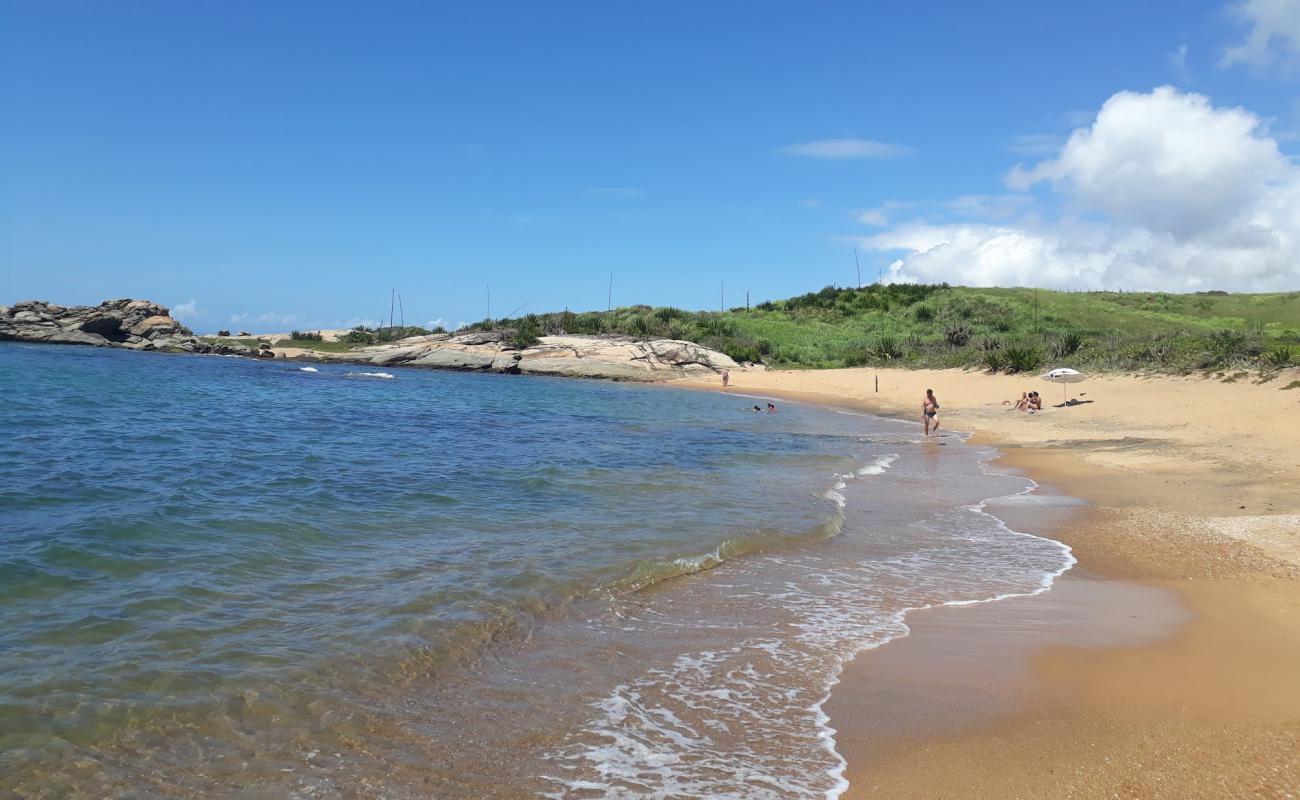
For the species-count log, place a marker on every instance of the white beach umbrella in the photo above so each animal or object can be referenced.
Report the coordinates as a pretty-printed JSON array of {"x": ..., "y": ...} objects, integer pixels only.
[{"x": 1063, "y": 376}]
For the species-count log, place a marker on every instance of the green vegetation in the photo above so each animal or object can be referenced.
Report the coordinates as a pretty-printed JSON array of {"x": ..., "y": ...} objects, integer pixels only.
[
  {"x": 316, "y": 344},
  {"x": 361, "y": 335},
  {"x": 525, "y": 333},
  {"x": 1011, "y": 330},
  {"x": 943, "y": 326},
  {"x": 229, "y": 341},
  {"x": 255, "y": 342}
]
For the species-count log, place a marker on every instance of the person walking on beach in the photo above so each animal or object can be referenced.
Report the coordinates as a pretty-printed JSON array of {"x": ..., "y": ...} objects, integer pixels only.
[
  {"x": 930, "y": 412},
  {"x": 726, "y": 378}
]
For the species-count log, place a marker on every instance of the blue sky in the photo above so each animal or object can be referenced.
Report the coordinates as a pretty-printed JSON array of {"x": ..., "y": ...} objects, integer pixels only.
[{"x": 272, "y": 165}]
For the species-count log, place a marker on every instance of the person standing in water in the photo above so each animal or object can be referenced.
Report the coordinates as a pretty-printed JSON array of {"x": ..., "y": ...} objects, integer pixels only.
[
  {"x": 930, "y": 412},
  {"x": 726, "y": 378}
]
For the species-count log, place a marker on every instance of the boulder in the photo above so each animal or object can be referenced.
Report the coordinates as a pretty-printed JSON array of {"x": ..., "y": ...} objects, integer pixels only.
[
  {"x": 614, "y": 358},
  {"x": 116, "y": 323},
  {"x": 154, "y": 326}
]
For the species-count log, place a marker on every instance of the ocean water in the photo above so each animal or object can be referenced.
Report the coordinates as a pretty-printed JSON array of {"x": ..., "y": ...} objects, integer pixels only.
[{"x": 231, "y": 578}]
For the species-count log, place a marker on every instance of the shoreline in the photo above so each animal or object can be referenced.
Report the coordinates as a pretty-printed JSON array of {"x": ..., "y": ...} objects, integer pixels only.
[{"x": 1170, "y": 670}]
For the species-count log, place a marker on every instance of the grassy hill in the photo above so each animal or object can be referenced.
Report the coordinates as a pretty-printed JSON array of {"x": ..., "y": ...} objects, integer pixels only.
[
  {"x": 943, "y": 326},
  {"x": 1014, "y": 330}
]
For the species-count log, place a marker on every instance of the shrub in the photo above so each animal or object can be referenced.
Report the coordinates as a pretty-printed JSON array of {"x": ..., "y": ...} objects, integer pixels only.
[
  {"x": 714, "y": 325},
  {"x": 1022, "y": 359},
  {"x": 743, "y": 350},
  {"x": 1067, "y": 345},
  {"x": 589, "y": 322},
  {"x": 682, "y": 329},
  {"x": 924, "y": 313},
  {"x": 995, "y": 361},
  {"x": 1282, "y": 355},
  {"x": 887, "y": 348},
  {"x": 306, "y": 336},
  {"x": 525, "y": 334},
  {"x": 957, "y": 335},
  {"x": 641, "y": 325}
]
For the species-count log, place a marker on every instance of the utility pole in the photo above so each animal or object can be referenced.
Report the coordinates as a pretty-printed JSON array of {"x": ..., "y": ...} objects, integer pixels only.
[
  {"x": 858, "y": 266},
  {"x": 746, "y": 299}
]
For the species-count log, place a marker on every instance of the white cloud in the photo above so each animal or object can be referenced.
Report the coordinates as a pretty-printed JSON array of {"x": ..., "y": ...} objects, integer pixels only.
[
  {"x": 447, "y": 324},
  {"x": 187, "y": 311},
  {"x": 1178, "y": 61},
  {"x": 880, "y": 215},
  {"x": 846, "y": 149},
  {"x": 1165, "y": 191},
  {"x": 615, "y": 192},
  {"x": 1274, "y": 35},
  {"x": 874, "y": 216},
  {"x": 1166, "y": 160}
]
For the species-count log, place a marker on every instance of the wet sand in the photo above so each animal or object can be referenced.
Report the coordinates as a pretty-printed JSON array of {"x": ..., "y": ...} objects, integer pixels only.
[{"x": 1165, "y": 664}]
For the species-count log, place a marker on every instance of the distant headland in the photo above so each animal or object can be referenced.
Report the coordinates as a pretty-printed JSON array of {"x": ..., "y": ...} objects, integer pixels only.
[{"x": 147, "y": 326}]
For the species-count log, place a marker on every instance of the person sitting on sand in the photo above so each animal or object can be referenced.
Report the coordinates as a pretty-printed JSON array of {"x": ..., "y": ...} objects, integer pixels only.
[
  {"x": 1023, "y": 403},
  {"x": 930, "y": 412},
  {"x": 1035, "y": 402}
]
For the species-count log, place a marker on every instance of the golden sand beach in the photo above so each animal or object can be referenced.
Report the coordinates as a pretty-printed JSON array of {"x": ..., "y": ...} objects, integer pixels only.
[{"x": 1165, "y": 664}]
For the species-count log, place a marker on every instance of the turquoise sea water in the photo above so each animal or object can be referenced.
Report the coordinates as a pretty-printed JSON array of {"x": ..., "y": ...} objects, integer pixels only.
[{"x": 220, "y": 575}]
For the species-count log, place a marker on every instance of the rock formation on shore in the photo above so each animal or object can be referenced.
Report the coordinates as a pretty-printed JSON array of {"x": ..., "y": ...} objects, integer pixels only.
[
  {"x": 142, "y": 325},
  {"x": 617, "y": 358},
  {"x": 134, "y": 324}
]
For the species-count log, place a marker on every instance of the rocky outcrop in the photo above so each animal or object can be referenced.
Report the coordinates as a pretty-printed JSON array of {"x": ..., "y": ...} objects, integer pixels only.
[
  {"x": 616, "y": 358},
  {"x": 134, "y": 324}
]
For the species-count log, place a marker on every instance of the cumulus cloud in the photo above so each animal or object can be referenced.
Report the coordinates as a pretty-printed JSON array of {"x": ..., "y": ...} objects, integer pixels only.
[
  {"x": 445, "y": 323},
  {"x": 1274, "y": 34},
  {"x": 188, "y": 310},
  {"x": 1163, "y": 191},
  {"x": 846, "y": 149}
]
